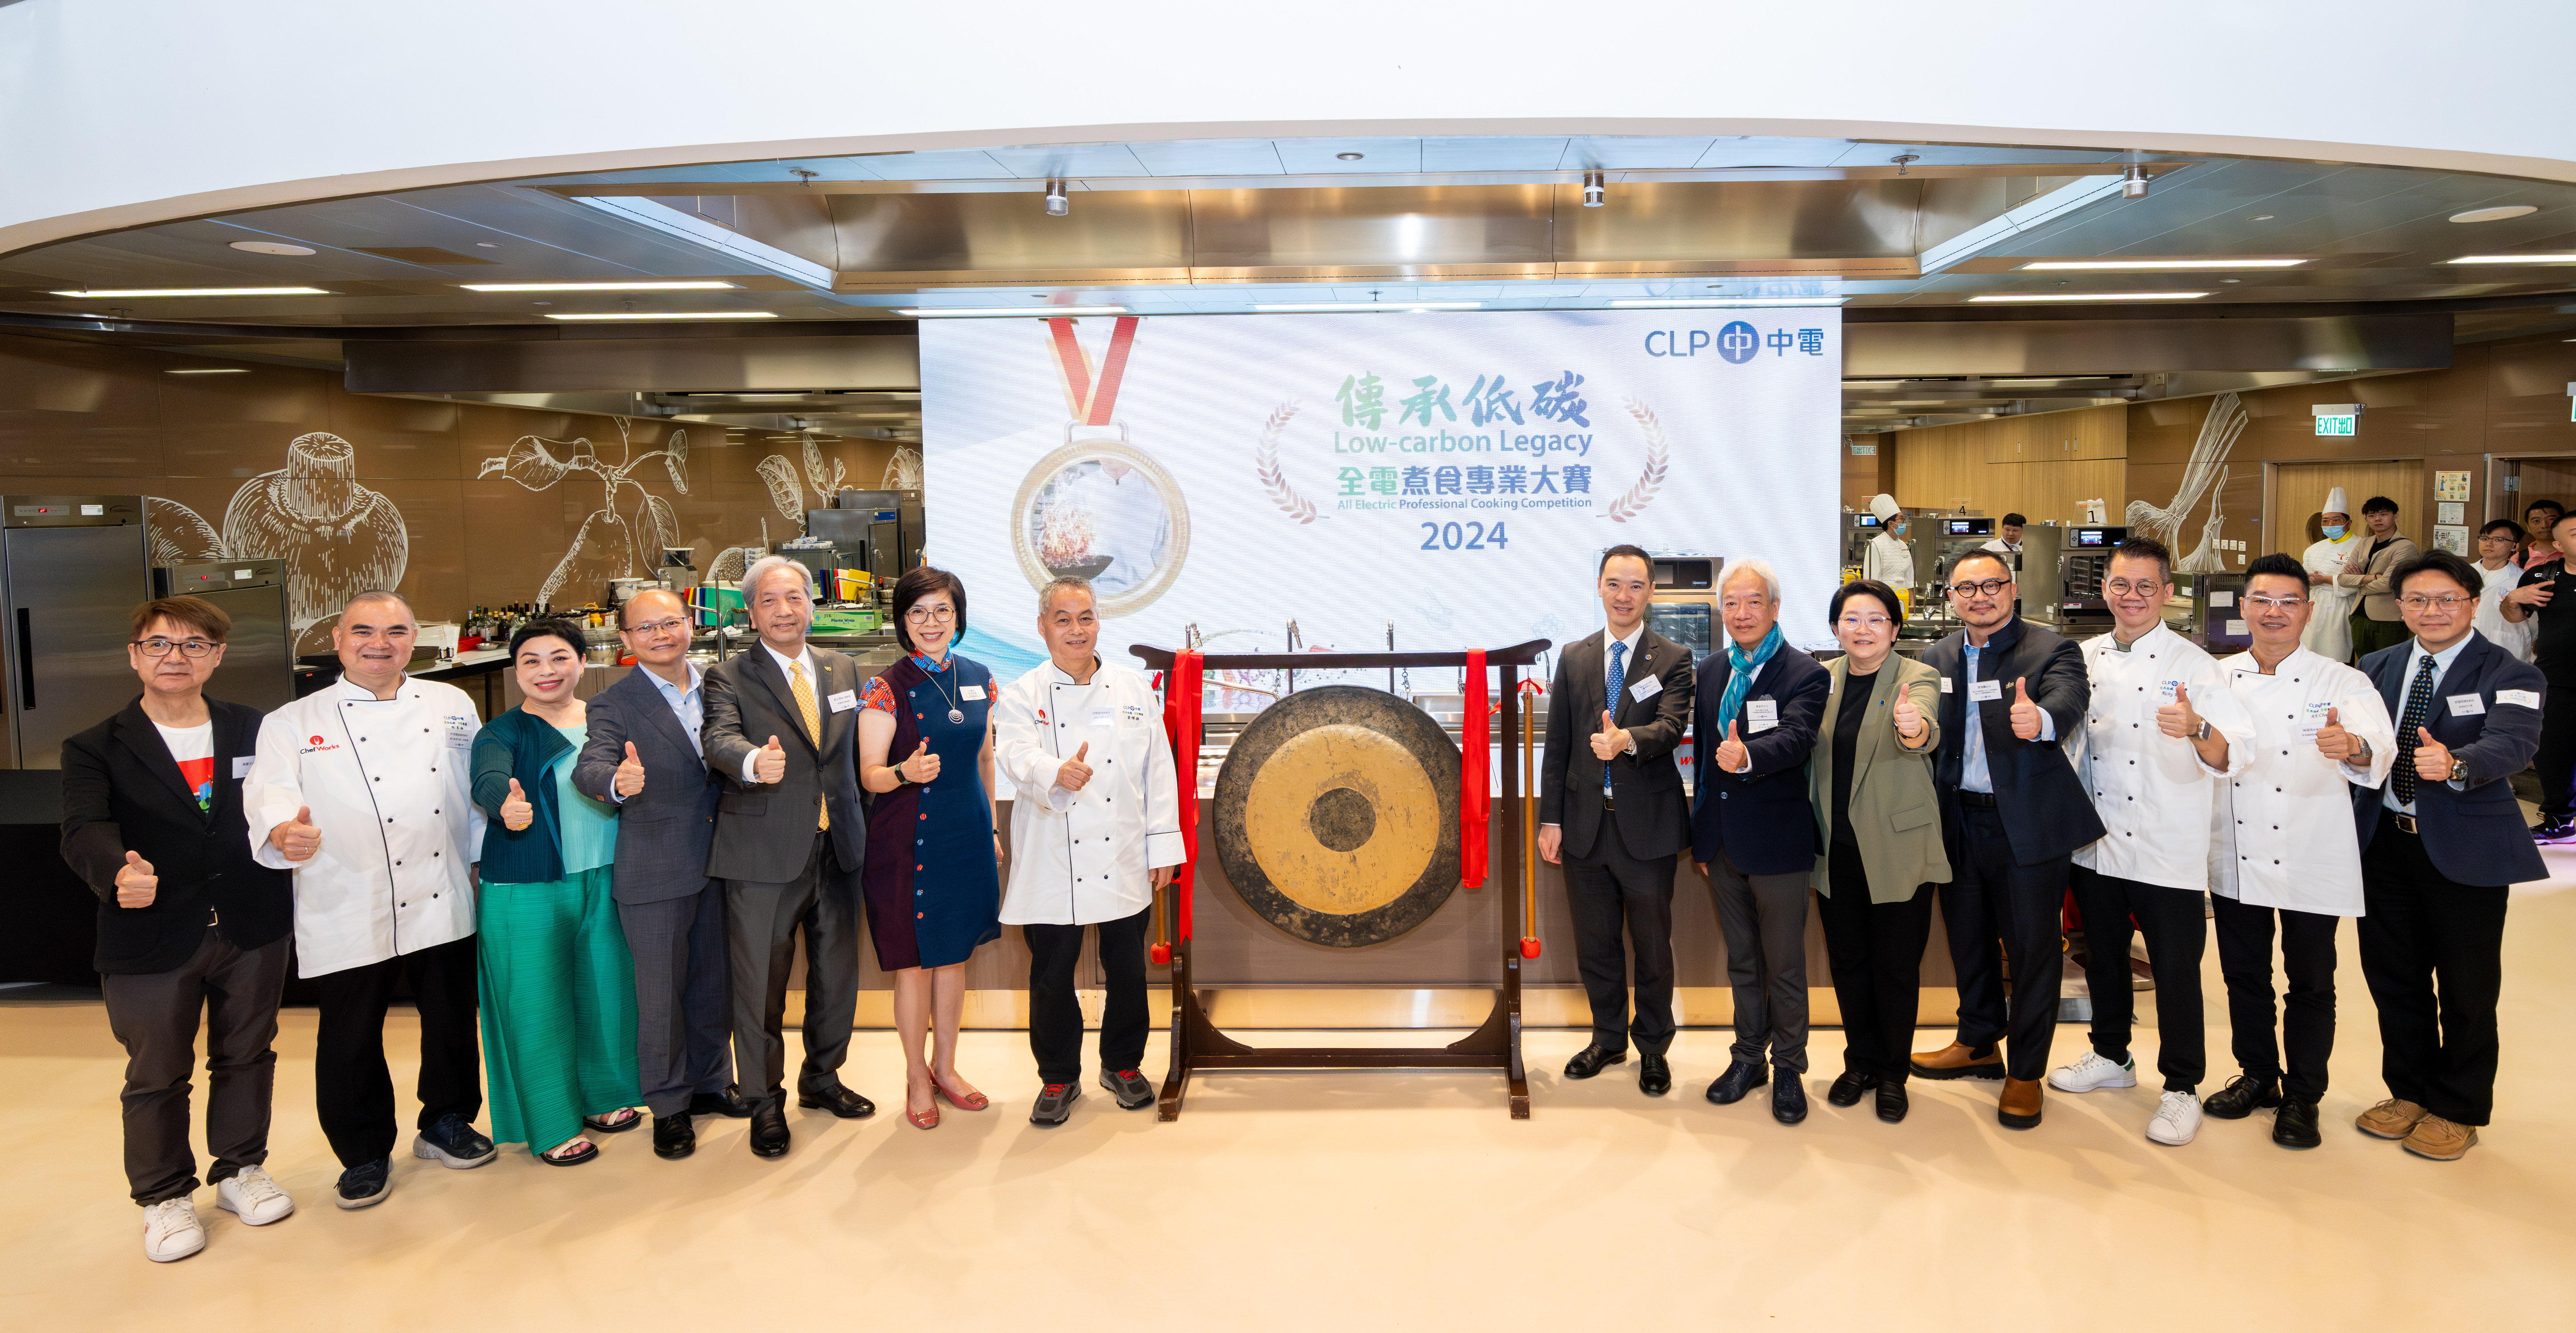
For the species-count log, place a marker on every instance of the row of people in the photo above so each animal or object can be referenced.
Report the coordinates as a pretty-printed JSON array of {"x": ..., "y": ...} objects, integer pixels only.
[
  {"x": 598, "y": 900},
  {"x": 2011, "y": 769}
]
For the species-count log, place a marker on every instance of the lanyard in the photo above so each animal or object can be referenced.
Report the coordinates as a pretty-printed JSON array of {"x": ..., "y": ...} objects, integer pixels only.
[{"x": 1090, "y": 402}]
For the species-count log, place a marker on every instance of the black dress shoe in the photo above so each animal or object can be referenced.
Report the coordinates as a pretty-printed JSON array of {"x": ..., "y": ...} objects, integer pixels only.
[
  {"x": 2295, "y": 1125},
  {"x": 1654, "y": 1075},
  {"x": 728, "y": 1103},
  {"x": 1740, "y": 1078},
  {"x": 1891, "y": 1101},
  {"x": 1846, "y": 1090},
  {"x": 2243, "y": 1096},
  {"x": 1592, "y": 1060},
  {"x": 1789, "y": 1099},
  {"x": 838, "y": 1100},
  {"x": 673, "y": 1136},
  {"x": 769, "y": 1126}
]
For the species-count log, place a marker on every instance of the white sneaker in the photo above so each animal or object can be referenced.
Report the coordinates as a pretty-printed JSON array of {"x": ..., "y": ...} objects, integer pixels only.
[
  {"x": 253, "y": 1196},
  {"x": 2093, "y": 1072},
  {"x": 171, "y": 1231},
  {"x": 2177, "y": 1120}
]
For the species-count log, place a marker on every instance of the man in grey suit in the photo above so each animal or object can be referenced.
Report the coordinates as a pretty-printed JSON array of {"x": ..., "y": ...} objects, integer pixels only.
[
  {"x": 790, "y": 843},
  {"x": 1610, "y": 808},
  {"x": 643, "y": 756}
]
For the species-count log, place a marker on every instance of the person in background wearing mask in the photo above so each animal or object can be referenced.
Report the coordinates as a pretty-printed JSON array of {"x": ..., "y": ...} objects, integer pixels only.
[
  {"x": 2330, "y": 628},
  {"x": 2008, "y": 535},
  {"x": 2539, "y": 523},
  {"x": 1888, "y": 558},
  {"x": 2277, "y": 848},
  {"x": 2498, "y": 543},
  {"x": 2377, "y": 624},
  {"x": 2545, "y": 604}
]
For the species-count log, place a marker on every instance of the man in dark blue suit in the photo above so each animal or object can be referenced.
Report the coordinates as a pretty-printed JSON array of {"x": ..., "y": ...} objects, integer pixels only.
[
  {"x": 1753, "y": 832},
  {"x": 2440, "y": 846}
]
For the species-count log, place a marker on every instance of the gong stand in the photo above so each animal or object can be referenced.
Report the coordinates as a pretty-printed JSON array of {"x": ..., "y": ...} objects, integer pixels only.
[{"x": 1198, "y": 1044}]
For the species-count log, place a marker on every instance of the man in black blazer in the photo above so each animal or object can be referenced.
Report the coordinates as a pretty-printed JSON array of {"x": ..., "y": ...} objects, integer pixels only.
[
  {"x": 2012, "y": 814},
  {"x": 1610, "y": 807},
  {"x": 152, "y": 820},
  {"x": 644, "y": 756},
  {"x": 2440, "y": 846},
  {"x": 1753, "y": 831},
  {"x": 790, "y": 842}
]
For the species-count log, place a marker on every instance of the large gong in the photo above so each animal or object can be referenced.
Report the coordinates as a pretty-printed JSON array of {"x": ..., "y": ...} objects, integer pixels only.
[{"x": 1337, "y": 815}]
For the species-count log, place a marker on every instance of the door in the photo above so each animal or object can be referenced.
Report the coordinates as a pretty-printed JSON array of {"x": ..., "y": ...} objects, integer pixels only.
[
  {"x": 72, "y": 594},
  {"x": 2299, "y": 490}
]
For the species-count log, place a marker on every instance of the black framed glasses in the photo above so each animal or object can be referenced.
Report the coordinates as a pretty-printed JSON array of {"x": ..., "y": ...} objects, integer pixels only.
[{"x": 157, "y": 646}]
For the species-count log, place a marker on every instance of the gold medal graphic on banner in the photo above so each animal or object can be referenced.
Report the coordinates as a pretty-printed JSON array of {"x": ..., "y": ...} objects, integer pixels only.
[{"x": 1100, "y": 508}]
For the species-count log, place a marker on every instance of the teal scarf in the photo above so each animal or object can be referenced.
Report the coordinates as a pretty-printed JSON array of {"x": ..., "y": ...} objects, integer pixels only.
[{"x": 1740, "y": 681}]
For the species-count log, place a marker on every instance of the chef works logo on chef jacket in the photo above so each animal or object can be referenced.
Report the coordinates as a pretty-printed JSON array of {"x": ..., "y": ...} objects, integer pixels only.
[{"x": 316, "y": 744}]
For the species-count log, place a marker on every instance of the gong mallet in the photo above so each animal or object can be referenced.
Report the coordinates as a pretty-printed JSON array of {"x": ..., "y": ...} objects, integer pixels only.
[
  {"x": 1531, "y": 689},
  {"x": 1162, "y": 950}
]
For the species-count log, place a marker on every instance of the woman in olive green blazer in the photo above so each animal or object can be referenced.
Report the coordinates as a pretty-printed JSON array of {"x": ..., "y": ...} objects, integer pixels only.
[{"x": 1879, "y": 820}]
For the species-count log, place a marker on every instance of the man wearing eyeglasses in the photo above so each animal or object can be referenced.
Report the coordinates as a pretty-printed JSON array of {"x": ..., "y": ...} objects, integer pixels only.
[
  {"x": 645, "y": 756},
  {"x": 2277, "y": 848},
  {"x": 2545, "y": 600},
  {"x": 2438, "y": 849},
  {"x": 2012, "y": 814}
]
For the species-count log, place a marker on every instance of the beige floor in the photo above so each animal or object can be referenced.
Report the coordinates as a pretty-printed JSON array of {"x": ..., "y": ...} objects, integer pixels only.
[{"x": 1368, "y": 1200}]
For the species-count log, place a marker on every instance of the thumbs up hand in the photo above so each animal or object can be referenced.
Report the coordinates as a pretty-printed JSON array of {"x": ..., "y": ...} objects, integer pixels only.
[
  {"x": 1909, "y": 719},
  {"x": 297, "y": 839},
  {"x": 135, "y": 882},
  {"x": 1611, "y": 741},
  {"x": 1731, "y": 756},
  {"x": 2335, "y": 743},
  {"x": 2025, "y": 714},
  {"x": 2432, "y": 759},
  {"x": 921, "y": 767},
  {"x": 517, "y": 813},
  {"x": 630, "y": 774},
  {"x": 771, "y": 764},
  {"x": 1074, "y": 773},
  {"x": 2179, "y": 719}
]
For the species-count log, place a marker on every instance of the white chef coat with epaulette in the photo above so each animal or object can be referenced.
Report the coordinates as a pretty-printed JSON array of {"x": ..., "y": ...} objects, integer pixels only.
[
  {"x": 2281, "y": 833},
  {"x": 1080, "y": 858},
  {"x": 2151, "y": 790}
]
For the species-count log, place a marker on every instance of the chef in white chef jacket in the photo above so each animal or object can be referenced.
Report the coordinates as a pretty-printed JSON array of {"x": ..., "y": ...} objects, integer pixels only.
[
  {"x": 1888, "y": 558},
  {"x": 2330, "y": 627},
  {"x": 2160, "y": 726},
  {"x": 1095, "y": 830},
  {"x": 2282, "y": 841},
  {"x": 361, "y": 790}
]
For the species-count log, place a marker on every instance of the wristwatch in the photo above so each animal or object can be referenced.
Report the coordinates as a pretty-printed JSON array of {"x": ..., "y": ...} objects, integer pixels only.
[
  {"x": 2360, "y": 753},
  {"x": 2459, "y": 768},
  {"x": 2203, "y": 733}
]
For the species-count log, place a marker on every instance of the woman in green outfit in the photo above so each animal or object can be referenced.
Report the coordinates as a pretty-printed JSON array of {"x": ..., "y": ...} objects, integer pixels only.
[{"x": 558, "y": 985}]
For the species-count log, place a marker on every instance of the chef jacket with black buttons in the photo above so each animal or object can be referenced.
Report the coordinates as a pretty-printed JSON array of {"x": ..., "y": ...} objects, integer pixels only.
[
  {"x": 1083, "y": 857},
  {"x": 2281, "y": 833},
  {"x": 2151, "y": 790},
  {"x": 386, "y": 780}
]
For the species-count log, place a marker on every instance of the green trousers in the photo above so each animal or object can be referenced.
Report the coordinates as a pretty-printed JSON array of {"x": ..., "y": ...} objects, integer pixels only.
[
  {"x": 2369, "y": 636},
  {"x": 558, "y": 990}
]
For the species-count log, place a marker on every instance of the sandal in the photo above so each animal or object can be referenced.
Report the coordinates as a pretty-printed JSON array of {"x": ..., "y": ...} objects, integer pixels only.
[
  {"x": 973, "y": 1101},
  {"x": 619, "y": 1121},
  {"x": 584, "y": 1151}
]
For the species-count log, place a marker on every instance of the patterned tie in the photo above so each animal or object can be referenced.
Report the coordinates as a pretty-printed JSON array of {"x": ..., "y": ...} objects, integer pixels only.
[
  {"x": 1618, "y": 677},
  {"x": 2419, "y": 705},
  {"x": 813, "y": 724}
]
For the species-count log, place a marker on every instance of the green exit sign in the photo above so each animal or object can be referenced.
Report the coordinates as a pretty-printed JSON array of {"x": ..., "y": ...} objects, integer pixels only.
[{"x": 2336, "y": 425}]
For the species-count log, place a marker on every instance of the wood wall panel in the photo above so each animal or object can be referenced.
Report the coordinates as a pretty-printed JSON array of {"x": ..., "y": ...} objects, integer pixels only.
[
  {"x": 2037, "y": 465},
  {"x": 2299, "y": 488}
]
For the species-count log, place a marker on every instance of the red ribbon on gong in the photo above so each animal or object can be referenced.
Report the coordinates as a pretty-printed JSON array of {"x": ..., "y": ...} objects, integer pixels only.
[
  {"x": 1475, "y": 788},
  {"x": 1182, "y": 708}
]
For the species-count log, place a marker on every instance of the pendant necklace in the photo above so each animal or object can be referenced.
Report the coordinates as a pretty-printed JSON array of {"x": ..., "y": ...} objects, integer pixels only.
[{"x": 956, "y": 715}]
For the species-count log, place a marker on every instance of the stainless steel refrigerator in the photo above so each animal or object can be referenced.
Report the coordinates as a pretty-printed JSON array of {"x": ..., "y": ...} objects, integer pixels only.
[
  {"x": 257, "y": 668},
  {"x": 73, "y": 568}
]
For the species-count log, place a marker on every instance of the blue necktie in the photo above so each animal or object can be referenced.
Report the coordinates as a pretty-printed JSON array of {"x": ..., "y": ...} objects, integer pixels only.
[{"x": 1618, "y": 677}]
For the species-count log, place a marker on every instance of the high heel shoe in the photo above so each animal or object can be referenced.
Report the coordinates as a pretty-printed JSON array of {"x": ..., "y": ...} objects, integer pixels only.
[{"x": 973, "y": 1101}]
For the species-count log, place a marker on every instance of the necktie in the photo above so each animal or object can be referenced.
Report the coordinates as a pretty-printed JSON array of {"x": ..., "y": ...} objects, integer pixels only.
[
  {"x": 1618, "y": 677},
  {"x": 813, "y": 724},
  {"x": 2419, "y": 706}
]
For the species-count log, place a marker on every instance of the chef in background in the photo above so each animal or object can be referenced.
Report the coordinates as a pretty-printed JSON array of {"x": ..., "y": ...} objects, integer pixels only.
[
  {"x": 2329, "y": 632},
  {"x": 2008, "y": 535},
  {"x": 1888, "y": 558}
]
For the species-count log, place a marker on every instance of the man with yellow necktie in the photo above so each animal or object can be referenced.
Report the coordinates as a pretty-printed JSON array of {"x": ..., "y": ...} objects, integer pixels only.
[{"x": 790, "y": 842}]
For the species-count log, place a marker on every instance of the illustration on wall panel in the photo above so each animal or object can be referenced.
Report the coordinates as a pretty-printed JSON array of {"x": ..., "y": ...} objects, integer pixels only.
[
  {"x": 787, "y": 495},
  {"x": 621, "y": 538},
  {"x": 337, "y": 537},
  {"x": 2205, "y": 474},
  {"x": 902, "y": 471}
]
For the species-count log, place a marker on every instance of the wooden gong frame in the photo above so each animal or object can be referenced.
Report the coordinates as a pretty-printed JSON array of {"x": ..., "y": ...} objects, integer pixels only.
[{"x": 1198, "y": 1044}]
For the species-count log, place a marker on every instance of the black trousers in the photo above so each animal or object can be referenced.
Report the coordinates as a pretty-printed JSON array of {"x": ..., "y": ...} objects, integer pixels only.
[
  {"x": 1998, "y": 910},
  {"x": 2431, "y": 949},
  {"x": 1876, "y": 950},
  {"x": 353, "y": 1091},
  {"x": 1055, "y": 1017},
  {"x": 2369, "y": 636},
  {"x": 2175, "y": 924},
  {"x": 683, "y": 997},
  {"x": 1610, "y": 893},
  {"x": 1763, "y": 919},
  {"x": 2307, "y": 1019},
  {"x": 761, "y": 922},
  {"x": 154, "y": 1014},
  {"x": 2556, "y": 759}
]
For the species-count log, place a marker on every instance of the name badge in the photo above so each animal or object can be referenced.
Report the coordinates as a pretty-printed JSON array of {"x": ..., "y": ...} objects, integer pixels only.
[
  {"x": 1945, "y": 685},
  {"x": 241, "y": 765},
  {"x": 2314, "y": 722},
  {"x": 974, "y": 692},
  {"x": 843, "y": 701},
  {"x": 2164, "y": 690},
  {"x": 1104, "y": 717},
  {"x": 2467, "y": 705},
  {"x": 1647, "y": 687},
  {"x": 460, "y": 731},
  {"x": 1761, "y": 714},
  {"x": 1986, "y": 691},
  {"x": 2526, "y": 698}
]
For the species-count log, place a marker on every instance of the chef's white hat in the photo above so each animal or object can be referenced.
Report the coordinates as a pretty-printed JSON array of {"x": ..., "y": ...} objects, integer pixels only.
[
  {"x": 2335, "y": 503},
  {"x": 1884, "y": 505}
]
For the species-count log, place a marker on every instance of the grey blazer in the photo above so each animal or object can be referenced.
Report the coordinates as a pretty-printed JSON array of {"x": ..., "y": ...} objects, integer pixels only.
[
  {"x": 763, "y": 831},
  {"x": 664, "y": 832},
  {"x": 1895, "y": 811},
  {"x": 1653, "y": 819}
]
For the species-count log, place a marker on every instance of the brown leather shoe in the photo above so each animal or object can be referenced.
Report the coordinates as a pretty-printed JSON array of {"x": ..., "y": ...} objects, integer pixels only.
[
  {"x": 2020, "y": 1104},
  {"x": 1957, "y": 1061},
  {"x": 2391, "y": 1119},
  {"x": 2440, "y": 1140}
]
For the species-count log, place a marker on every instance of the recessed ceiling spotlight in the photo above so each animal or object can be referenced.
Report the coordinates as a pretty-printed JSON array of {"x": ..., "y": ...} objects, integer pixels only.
[
  {"x": 2513, "y": 259},
  {"x": 2231, "y": 280},
  {"x": 1350, "y": 157},
  {"x": 2260, "y": 217},
  {"x": 487, "y": 245},
  {"x": 198, "y": 291},
  {"x": 2090, "y": 296},
  {"x": 272, "y": 248},
  {"x": 2495, "y": 214}
]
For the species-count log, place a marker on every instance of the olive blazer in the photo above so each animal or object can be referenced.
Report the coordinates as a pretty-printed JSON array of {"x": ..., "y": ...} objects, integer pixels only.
[{"x": 1895, "y": 812}]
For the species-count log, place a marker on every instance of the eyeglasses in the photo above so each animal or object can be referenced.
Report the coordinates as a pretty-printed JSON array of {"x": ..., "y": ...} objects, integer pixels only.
[
  {"x": 655, "y": 628},
  {"x": 1988, "y": 588},
  {"x": 931, "y": 615},
  {"x": 2132, "y": 587},
  {"x": 1863, "y": 623},
  {"x": 159, "y": 647},
  {"x": 2419, "y": 602},
  {"x": 2276, "y": 603}
]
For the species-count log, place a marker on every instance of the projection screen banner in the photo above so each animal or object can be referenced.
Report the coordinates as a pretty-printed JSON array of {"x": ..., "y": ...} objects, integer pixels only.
[{"x": 1454, "y": 474}]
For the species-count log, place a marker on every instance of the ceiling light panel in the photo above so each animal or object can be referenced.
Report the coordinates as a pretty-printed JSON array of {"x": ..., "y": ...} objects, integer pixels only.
[
  {"x": 1722, "y": 302},
  {"x": 707, "y": 286},
  {"x": 122, "y": 293},
  {"x": 639, "y": 317},
  {"x": 1361, "y": 307},
  {"x": 2151, "y": 265},
  {"x": 2514, "y": 259},
  {"x": 2089, "y": 296},
  {"x": 1009, "y": 311}
]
